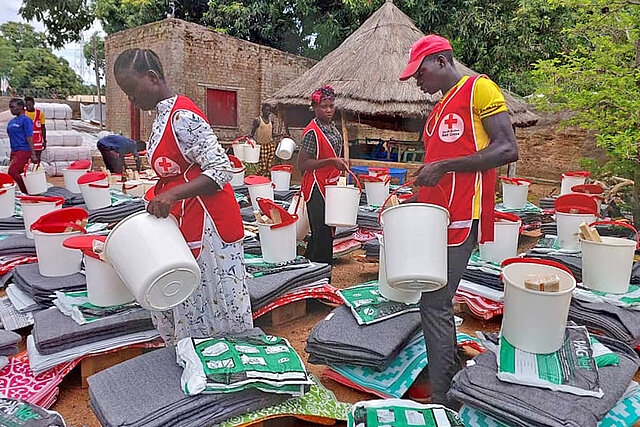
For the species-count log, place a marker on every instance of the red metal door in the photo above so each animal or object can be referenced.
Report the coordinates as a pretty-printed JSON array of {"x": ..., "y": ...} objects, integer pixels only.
[{"x": 222, "y": 107}]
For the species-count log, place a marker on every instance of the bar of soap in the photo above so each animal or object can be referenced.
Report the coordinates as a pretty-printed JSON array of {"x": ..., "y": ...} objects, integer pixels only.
[{"x": 542, "y": 282}]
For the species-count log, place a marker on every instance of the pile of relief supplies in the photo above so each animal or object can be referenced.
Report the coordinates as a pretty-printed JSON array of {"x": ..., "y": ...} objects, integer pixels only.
[
  {"x": 587, "y": 382},
  {"x": 214, "y": 380}
]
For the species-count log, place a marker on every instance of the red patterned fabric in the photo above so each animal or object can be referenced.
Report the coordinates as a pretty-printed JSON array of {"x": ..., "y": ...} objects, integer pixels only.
[
  {"x": 478, "y": 305},
  {"x": 7, "y": 264},
  {"x": 324, "y": 293}
]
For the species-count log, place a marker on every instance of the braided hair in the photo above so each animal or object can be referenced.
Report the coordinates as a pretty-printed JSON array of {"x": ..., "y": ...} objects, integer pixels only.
[
  {"x": 322, "y": 93},
  {"x": 139, "y": 60}
]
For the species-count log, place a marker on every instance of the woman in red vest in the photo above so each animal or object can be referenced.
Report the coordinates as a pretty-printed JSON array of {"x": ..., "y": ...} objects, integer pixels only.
[
  {"x": 319, "y": 161},
  {"x": 194, "y": 187}
]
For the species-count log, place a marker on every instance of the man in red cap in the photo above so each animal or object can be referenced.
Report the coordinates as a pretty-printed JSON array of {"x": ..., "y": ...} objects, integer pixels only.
[{"x": 467, "y": 135}]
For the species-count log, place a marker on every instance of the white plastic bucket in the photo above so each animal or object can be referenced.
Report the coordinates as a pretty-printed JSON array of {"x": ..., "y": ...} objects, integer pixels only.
[
  {"x": 238, "y": 177},
  {"x": 31, "y": 211},
  {"x": 153, "y": 260},
  {"x": 606, "y": 266},
  {"x": 71, "y": 178},
  {"x": 278, "y": 244},
  {"x": 568, "y": 226},
  {"x": 7, "y": 201},
  {"x": 387, "y": 291},
  {"x": 505, "y": 241},
  {"x": 281, "y": 180},
  {"x": 36, "y": 182},
  {"x": 134, "y": 188},
  {"x": 285, "y": 149},
  {"x": 96, "y": 194},
  {"x": 341, "y": 205},
  {"x": 54, "y": 260},
  {"x": 377, "y": 192},
  {"x": 147, "y": 184},
  {"x": 238, "y": 150},
  {"x": 104, "y": 286},
  {"x": 252, "y": 153},
  {"x": 299, "y": 207},
  {"x": 264, "y": 191},
  {"x": 535, "y": 321},
  {"x": 514, "y": 196},
  {"x": 570, "y": 181},
  {"x": 415, "y": 246}
]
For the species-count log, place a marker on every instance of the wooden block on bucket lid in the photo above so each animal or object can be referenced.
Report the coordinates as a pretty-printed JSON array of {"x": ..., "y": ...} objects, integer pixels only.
[
  {"x": 542, "y": 282},
  {"x": 342, "y": 181}
]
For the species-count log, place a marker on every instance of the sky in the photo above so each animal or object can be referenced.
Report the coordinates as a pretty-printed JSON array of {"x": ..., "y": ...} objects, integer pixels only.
[{"x": 72, "y": 52}]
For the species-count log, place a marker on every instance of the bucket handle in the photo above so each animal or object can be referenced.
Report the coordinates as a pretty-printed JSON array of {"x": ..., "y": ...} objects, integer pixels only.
[
  {"x": 67, "y": 224},
  {"x": 541, "y": 261},
  {"x": 355, "y": 178},
  {"x": 245, "y": 138},
  {"x": 125, "y": 187},
  {"x": 406, "y": 184},
  {"x": 299, "y": 198},
  {"x": 621, "y": 224},
  {"x": 26, "y": 167},
  {"x": 284, "y": 224},
  {"x": 517, "y": 181},
  {"x": 2, "y": 191},
  {"x": 92, "y": 185}
]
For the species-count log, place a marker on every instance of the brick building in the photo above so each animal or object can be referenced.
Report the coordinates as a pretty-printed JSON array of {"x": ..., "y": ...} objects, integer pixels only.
[{"x": 226, "y": 77}]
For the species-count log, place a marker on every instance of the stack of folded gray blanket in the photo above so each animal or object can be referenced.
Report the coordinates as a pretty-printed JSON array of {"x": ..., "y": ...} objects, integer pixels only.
[
  {"x": 12, "y": 223},
  {"x": 9, "y": 342},
  {"x": 339, "y": 340},
  {"x": 70, "y": 199},
  {"x": 117, "y": 212},
  {"x": 524, "y": 406},
  {"x": 368, "y": 218},
  {"x": 42, "y": 289},
  {"x": 265, "y": 289},
  {"x": 251, "y": 246},
  {"x": 17, "y": 245},
  {"x": 54, "y": 332},
  {"x": 607, "y": 319},
  {"x": 145, "y": 391}
]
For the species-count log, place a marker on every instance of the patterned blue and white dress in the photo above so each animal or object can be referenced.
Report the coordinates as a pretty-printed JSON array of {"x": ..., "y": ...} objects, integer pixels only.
[{"x": 221, "y": 304}]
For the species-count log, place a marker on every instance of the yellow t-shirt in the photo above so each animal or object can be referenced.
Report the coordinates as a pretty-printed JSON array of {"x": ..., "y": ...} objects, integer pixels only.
[
  {"x": 32, "y": 115},
  {"x": 487, "y": 101}
]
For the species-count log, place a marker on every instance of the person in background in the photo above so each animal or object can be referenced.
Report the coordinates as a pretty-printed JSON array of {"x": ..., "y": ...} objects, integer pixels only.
[
  {"x": 20, "y": 131},
  {"x": 194, "y": 187},
  {"x": 114, "y": 149},
  {"x": 262, "y": 132},
  {"x": 320, "y": 163},
  {"x": 39, "y": 128},
  {"x": 467, "y": 135}
]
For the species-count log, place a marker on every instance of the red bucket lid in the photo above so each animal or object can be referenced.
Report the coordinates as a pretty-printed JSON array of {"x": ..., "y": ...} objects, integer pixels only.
[
  {"x": 256, "y": 180},
  {"x": 592, "y": 189},
  {"x": 84, "y": 243},
  {"x": 384, "y": 170},
  {"x": 80, "y": 164},
  {"x": 90, "y": 177},
  {"x": 58, "y": 221},
  {"x": 577, "y": 173},
  {"x": 405, "y": 196},
  {"x": 284, "y": 168},
  {"x": 581, "y": 202},
  {"x": 235, "y": 162},
  {"x": 5, "y": 178},
  {"x": 36, "y": 199},
  {"x": 266, "y": 205},
  {"x": 515, "y": 181},
  {"x": 373, "y": 178},
  {"x": 505, "y": 216}
]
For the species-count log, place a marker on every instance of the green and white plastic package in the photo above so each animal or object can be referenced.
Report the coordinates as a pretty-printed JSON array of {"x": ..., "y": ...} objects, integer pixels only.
[
  {"x": 401, "y": 413},
  {"x": 368, "y": 306},
  {"x": 226, "y": 365}
]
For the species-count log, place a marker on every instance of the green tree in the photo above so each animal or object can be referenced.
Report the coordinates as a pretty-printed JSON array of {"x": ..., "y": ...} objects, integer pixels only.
[
  {"x": 30, "y": 66},
  {"x": 599, "y": 81},
  {"x": 65, "y": 20}
]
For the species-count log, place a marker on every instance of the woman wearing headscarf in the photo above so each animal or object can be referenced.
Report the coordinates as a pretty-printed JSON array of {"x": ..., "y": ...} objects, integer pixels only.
[
  {"x": 321, "y": 164},
  {"x": 194, "y": 187}
]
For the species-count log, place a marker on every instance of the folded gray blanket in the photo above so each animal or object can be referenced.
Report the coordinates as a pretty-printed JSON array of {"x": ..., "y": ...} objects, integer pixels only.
[
  {"x": 607, "y": 319},
  {"x": 524, "y": 406},
  {"x": 9, "y": 342},
  {"x": 70, "y": 199},
  {"x": 27, "y": 277},
  {"x": 145, "y": 391},
  {"x": 338, "y": 339},
  {"x": 13, "y": 223},
  {"x": 18, "y": 244},
  {"x": 116, "y": 213},
  {"x": 54, "y": 332}
]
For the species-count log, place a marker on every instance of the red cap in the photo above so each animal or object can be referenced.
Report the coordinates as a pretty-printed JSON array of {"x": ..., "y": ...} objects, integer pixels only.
[
  {"x": 426, "y": 46},
  {"x": 5, "y": 178},
  {"x": 256, "y": 180},
  {"x": 80, "y": 164},
  {"x": 91, "y": 177}
]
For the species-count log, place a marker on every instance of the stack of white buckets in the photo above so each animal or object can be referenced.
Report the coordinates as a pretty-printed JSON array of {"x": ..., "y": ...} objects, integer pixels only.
[{"x": 246, "y": 150}]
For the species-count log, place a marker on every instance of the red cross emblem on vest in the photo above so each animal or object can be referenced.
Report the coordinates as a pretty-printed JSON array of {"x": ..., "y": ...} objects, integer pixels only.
[
  {"x": 164, "y": 166},
  {"x": 451, "y": 128}
]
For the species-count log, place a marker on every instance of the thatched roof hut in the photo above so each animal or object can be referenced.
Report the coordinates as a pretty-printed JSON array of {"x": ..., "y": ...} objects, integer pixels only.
[{"x": 364, "y": 71}]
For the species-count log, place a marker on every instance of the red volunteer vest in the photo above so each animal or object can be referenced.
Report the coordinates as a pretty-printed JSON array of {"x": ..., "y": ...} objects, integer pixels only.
[
  {"x": 324, "y": 175},
  {"x": 449, "y": 134},
  {"x": 37, "y": 132},
  {"x": 174, "y": 169}
]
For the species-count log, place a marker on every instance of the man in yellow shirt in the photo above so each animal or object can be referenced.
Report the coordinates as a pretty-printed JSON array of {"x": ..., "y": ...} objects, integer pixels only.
[
  {"x": 467, "y": 135},
  {"x": 39, "y": 128}
]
